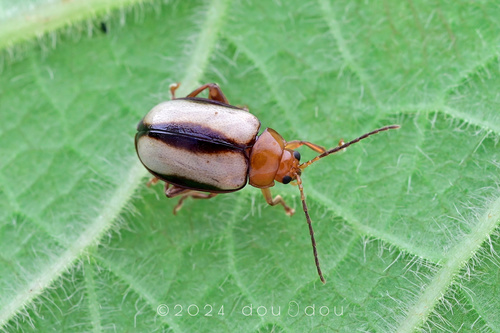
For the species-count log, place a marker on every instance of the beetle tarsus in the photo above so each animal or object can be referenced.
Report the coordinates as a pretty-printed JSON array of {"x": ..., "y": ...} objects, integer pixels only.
[
  {"x": 194, "y": 195},
  {"x": 278, "y": 200},
  {"x": 152, "y": 181},
  {"x": 214, "y": 93},
  {"x": 172, "y": 191},
  {"x": 341, "y": 143},
  {"x": 173, "y": 87}
]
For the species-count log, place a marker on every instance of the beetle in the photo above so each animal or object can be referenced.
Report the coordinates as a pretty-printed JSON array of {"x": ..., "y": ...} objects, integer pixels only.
[{"x": 201, "y": 147}]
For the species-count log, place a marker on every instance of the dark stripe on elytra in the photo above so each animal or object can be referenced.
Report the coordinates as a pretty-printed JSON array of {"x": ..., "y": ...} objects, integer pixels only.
[
  {"x": 192, "y": 184},
  {"x": 192, "y": 144},
  {"x": 196, "y": 131},
  {"x": 189, "y": 129}
]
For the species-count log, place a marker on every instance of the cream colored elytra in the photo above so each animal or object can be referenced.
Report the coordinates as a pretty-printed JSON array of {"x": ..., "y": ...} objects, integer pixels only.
[
  {"x": 225, "y": 171},
  {"x": 230, "y": 129}
]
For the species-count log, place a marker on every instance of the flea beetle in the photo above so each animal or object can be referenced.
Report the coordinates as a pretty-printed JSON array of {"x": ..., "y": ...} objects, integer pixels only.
[{"x": 201, "y": 147}]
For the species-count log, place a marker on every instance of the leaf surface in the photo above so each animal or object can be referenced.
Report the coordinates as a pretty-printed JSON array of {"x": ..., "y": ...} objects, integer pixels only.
[{"x": 405, "y": 222}]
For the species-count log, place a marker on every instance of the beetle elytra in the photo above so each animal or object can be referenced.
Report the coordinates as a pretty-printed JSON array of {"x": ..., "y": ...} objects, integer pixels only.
[{"x": 201, "y": 147}]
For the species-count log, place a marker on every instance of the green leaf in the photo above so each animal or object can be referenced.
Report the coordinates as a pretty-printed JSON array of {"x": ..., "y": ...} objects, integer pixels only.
[{"x": 406, "y": 222}]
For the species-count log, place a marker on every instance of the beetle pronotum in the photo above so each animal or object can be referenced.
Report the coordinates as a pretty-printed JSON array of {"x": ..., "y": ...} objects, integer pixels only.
[{"x": 204, "y": 146}]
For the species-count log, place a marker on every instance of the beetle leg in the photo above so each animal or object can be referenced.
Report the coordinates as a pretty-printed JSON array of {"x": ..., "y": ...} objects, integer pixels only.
[
  {"x": 194, "y": 195},
  {"x": 172, "y": 191},
  {"x": 277, "y": 200},
  {"x": 185, "y": 193},
  {"x": 152, "y": 181},
  {"x": 341, "y": 143},
  {"x": 214, "y": 92},
  {"x": 173, "y": 87},
  {"x": 294, "y": 144}
]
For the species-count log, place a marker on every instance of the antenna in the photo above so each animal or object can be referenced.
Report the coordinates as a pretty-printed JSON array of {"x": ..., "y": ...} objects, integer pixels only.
[
  {"x": 345, "y": 145},
  {"x": 311, "y": 231},
  {"x": 301, "y": 188}
]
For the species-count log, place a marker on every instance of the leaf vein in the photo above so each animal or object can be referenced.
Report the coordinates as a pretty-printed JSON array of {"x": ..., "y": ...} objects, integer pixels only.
[{"x": 459, "y": 255}]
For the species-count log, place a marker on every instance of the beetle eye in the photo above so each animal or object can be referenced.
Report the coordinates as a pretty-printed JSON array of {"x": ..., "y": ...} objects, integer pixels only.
[
  {"x": 286, "y": 179},
  {"x": 296, "y": 154}
]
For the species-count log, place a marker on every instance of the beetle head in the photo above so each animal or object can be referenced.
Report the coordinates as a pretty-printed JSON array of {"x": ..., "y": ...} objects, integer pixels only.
[{"x": 289, "y": 167}]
